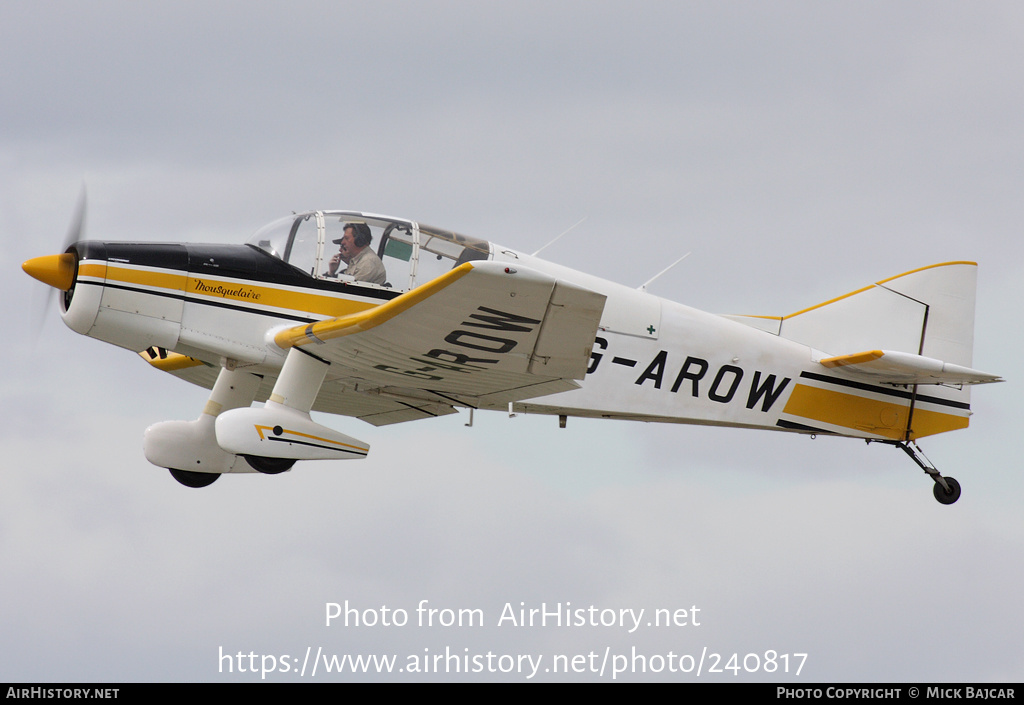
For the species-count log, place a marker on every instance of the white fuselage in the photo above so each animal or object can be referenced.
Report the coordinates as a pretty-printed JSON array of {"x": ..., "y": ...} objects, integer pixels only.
[{"x": 652, "y": 359}]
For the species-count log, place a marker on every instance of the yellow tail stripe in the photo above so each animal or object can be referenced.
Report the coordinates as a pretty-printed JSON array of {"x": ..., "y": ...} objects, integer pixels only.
[{"x": 885, "y": 419}]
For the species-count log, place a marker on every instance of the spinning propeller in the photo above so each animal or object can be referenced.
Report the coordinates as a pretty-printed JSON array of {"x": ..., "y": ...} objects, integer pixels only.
[{"x": 58, "y": 271}]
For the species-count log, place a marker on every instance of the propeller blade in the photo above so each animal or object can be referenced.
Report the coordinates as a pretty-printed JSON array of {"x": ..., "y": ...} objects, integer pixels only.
[
  {"x": 77, "y": 223},
  {"x": 58, "y": 271}
]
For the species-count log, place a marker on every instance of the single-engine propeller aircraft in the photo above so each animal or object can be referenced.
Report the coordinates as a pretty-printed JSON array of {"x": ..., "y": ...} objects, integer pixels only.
[{"x": 452, "y": 321}]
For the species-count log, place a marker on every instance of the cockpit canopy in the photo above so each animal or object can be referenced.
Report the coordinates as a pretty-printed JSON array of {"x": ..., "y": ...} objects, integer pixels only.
[{"x": 412, "y": 254}]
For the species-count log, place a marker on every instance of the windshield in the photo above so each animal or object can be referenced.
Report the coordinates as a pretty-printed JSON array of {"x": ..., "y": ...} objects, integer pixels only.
[{"x": 273, "y": 237}]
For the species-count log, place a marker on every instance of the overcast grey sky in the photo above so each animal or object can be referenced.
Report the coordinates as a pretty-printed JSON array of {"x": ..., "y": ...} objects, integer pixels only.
[{"x": 799, "y": 150}]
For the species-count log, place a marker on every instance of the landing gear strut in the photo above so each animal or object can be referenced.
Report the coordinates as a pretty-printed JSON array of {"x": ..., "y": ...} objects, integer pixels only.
[{"x": 946, "y": 489}]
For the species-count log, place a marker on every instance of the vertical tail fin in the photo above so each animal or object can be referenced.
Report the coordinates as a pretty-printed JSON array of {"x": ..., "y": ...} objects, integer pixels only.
[
  {"x": 883, "y": 341},
  {"x": 927, "y": 311}
]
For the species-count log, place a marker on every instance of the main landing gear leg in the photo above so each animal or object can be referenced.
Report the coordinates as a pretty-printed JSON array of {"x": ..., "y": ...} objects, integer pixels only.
[
  {"x": 946, "y": 489},
  {"x": 189, "y": 449}
]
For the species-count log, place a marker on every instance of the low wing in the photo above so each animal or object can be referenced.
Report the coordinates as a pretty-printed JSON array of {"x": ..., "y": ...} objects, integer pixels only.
[
  {"x": 892, "y": 367},
  {"x": 482, "y": 335}
]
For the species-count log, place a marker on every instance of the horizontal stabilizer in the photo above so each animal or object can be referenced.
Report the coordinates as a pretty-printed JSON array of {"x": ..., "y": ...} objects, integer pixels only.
[{"x": 892, "y": 367}]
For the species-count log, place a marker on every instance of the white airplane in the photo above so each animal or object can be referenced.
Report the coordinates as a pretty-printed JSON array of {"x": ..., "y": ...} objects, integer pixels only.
[{"x": 460, "y": 322}]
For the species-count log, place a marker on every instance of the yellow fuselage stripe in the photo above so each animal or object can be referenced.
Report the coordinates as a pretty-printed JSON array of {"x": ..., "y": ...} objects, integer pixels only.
[
  {"x": 93, "y": 269},
  {"x": 158, "y": 280},
  {"x": 235, "y": 290}
]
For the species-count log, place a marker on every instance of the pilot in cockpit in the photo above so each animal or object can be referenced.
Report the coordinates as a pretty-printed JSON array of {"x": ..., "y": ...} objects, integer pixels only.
[{"x": 354, "y": 250}]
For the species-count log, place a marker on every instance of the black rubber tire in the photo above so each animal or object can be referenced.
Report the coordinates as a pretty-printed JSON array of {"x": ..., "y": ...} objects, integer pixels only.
[
  {"x": 947, "y": 497},
  {"x": 194, "y": 479},
  {"x": 269, "y": 466}
]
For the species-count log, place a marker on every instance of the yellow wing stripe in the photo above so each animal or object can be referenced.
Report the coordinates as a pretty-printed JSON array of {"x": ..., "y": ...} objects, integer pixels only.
[
  {"x": 365, "y": 320},
  {"x": 882, "y": 418}
]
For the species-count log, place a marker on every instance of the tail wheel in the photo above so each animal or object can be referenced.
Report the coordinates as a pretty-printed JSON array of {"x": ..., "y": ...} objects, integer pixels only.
[
  {"x": 194, "y": 479},
  {"x": 942, "y": 495}
]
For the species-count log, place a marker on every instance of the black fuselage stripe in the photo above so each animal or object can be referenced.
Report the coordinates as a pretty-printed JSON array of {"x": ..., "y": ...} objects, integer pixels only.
[
  {"x": 258, "y": 312},
  {"x": 237, "y": 262},
  {"x": 900, "y": 393},
  {"x": 791, "y": 426},
  {"x": 317, "y": 445},
  {"x": 295, "y": 280}
]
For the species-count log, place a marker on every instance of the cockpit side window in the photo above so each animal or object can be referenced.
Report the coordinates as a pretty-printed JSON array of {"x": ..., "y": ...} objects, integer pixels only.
[
  {"x": 359, "y": 260},
  {"x": 395, "y": 250},
  {"x": 443, "y": 250}
]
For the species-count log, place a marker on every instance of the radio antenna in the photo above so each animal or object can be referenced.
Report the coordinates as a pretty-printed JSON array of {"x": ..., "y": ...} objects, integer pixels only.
[
  {"x": 552, "y": 242},
  {"x": 643, "y": 287}
]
